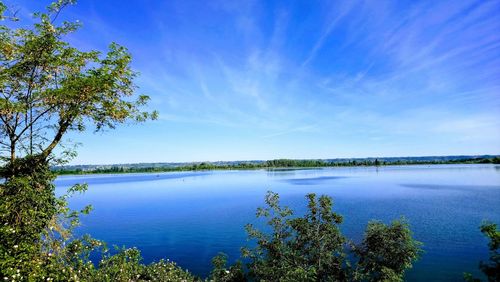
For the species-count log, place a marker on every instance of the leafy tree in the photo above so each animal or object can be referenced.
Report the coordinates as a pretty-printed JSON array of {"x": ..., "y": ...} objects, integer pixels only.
[
  {"x": 386, "y": 252},
  {"x": 312, "y": 247},
  {"x": 271, "y": 258},
  {"x": 308, "y": 248},
  {"x": 49, "y": 87},
  {"x": 318, "y": 243}
]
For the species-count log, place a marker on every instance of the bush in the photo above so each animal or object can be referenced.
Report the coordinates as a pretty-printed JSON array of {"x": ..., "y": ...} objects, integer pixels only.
[
  {"x": 312, "y": 247},
  {"x": 36, "y": 235},
  {"x": 27, "y": 205},
  {"x": 386, "y": 252}
]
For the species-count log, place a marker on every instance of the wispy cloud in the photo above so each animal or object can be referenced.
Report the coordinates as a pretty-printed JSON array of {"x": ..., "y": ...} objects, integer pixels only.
[
  {"x": 302, "y": 129},
  {"x": 337, "y": 14},
  {"x": 350, "y": 77}
]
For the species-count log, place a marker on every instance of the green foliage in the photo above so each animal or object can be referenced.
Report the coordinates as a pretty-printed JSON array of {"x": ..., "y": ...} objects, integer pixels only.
[
  {"x": 49, "y": 87},
  {"x": 308, "y": 248},
  {"x": 318, "y": 242},
  {"x": 123, "y": 266},
  {"x": 271, "y": 259},
  {"x": 27, "y": 205},
  {"x": 312, "y": 247},
  {"x": 386, "y": 252},
  {"x": 166, "y": 271},
  {"x": 74, "y": 265},
  {"x": 36, "y": 225},
  {"x": 36, "y": 237},
  {"x": 222, "y": 273},
  {"x": 295, "y": 163}
]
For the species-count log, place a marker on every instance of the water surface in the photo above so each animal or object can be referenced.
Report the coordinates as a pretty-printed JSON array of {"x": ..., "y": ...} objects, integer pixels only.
[{"x": 189, "y": 217}]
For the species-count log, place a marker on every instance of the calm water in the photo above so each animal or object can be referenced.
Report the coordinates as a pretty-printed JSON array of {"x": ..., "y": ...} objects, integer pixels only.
[{"x": 189, "y": 217}]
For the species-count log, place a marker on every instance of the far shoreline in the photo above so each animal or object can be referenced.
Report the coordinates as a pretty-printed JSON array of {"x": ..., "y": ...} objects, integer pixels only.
[{"x": 283, "y": 164}]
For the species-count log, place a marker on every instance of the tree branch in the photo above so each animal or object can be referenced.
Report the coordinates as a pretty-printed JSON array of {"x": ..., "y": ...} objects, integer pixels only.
[
  {"x": 64, "y": 125},
  {"x": 28, "y": 126}
]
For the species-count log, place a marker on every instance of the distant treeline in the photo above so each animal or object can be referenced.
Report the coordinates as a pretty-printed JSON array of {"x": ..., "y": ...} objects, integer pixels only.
[{"x": 280, "y": 163}]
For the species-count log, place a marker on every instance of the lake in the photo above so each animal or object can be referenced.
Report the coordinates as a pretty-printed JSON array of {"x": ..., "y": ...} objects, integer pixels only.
[{"x": 189, "y": 217}]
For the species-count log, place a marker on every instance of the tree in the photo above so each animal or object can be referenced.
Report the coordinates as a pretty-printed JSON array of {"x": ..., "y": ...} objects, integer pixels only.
[
  {"x": 48, "y": 87},
  {"x": 318, "y": 242},
  {"x": 272, "y": 258},
  {"x": 386, "y": 252},
  {"x": 312, "y": 247},
  {"x": 308, "y": 248}
]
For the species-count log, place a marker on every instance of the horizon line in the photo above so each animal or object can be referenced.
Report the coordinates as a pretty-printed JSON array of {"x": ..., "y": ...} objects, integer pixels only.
[{"x": 263, "y": 160}]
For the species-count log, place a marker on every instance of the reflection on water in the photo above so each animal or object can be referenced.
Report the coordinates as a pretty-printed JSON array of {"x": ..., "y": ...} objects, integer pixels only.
[
  {"x": 470, "y": 188},
  {"x": 191, "y": 216},
  {"x": 128, "y": 177},
  {"x": 312, "y": 180}
]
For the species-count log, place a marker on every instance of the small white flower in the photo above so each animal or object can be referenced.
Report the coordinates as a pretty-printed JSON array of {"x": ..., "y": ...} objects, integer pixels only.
[{"x": 16, "y": 246}]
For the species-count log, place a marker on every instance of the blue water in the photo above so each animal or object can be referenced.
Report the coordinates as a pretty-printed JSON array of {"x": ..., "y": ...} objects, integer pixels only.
[{"x": 189, "y": 217}]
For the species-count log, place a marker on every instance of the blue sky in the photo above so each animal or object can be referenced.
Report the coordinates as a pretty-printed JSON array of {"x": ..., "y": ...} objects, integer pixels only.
[{"x": 242, "y": 80}]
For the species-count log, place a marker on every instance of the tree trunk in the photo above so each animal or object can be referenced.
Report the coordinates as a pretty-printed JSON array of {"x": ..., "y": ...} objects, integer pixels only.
[
  {"x": 62, "y": 129},
  {"x": 12, "y": 153}
]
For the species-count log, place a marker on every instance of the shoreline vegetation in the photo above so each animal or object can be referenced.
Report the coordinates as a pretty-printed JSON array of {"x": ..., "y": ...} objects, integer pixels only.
[{"x": 271, "y": 164}]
